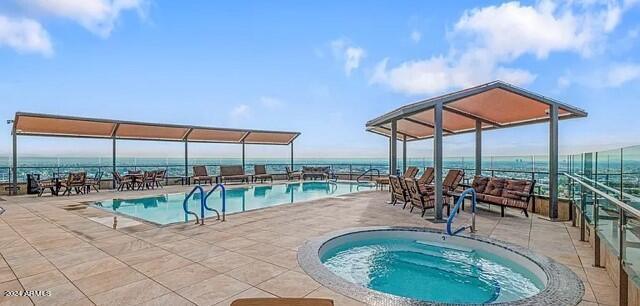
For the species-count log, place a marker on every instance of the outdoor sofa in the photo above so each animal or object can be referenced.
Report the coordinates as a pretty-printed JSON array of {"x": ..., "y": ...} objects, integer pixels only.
[
  {"x": 315, "y": 173},
  {"x": 233, "y": 173},
  {"x": 504, "y": 192}
]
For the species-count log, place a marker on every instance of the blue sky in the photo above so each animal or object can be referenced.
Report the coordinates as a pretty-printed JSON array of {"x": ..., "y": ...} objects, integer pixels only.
[{"x": 322, "y": 68}]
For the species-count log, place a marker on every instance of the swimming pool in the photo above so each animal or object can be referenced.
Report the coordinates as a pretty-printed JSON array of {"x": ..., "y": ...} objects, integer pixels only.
[
  {"x": 167, "y": 208},
  {"x": 419, "y": 266}
]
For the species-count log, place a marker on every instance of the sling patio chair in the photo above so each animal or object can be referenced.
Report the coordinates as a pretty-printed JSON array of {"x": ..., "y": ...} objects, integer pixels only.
[
  {"x": 148, "y": 180},
  {"x": 75, "y": 181},
  {"x": 260, "y": 173},
  {"x": 450, "y": 184},
  {"x": 233, "y": 173},
  {"x": 122, "y": 182},
  {"x": 423, "y": 199},
  {"x": 200, "y": 175},
  {"x": 427, "y": 176},
  {"x": 160, "y": 176},
  {"x": 411, "y": 172},
  {"x": 44, "y": 184},
  {"x": 398, "y": 191},
  {"x": 293, "y": 174},
  {"x": 94, "y": 182}
]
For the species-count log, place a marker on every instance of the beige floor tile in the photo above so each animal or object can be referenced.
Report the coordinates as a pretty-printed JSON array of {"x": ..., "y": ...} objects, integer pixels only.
[
  {"x": 170, "y": 299},
  {"x": 162, "y": 265},
  {"x": 213, "y": 290},
  {"x": 290, "y": 284},
  {"x": 249, "y": 293},
  {"x": 256, "y": 272},
  {"x": 13, "y": 285},
  {"x": 227, "y": 262},
  {"x": 44, "y": 281},
  {"x": 287, "y": 259},
  {"x": 65, "y": 294},
  {"x": 338, "y": 299},
  {"x": 6, "y": 274},
  {"x": 606, "y": 295},
  {"x": 185, "y": 276},
  {"x": 92, "y": 268},
  {"x": 236, "y": 243},
  {"x": 126, "y": 247},
  {"x": 261, "y": 250},
  {"x": 108, "y": 280},
  {"x": 132, "y": 294},
  {"x": 142, "y": 256},
  {"x": 202, "y": 252}
]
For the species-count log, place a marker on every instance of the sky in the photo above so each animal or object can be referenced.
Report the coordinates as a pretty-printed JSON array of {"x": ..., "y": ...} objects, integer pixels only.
[{"x": 322, "y": 68}]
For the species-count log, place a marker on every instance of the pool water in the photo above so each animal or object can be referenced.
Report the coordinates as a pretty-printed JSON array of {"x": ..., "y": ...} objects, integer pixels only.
[
  {"x": 167, "y": 208},
  {"x": 428, "y": 271}
]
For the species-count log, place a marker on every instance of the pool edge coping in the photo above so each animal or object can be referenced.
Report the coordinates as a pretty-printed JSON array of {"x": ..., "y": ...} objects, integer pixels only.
[{"x": 563, "y": 287}]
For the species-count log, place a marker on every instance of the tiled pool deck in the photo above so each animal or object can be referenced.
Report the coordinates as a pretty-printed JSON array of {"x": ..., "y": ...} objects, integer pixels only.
[{"x": 81, "y": 260}]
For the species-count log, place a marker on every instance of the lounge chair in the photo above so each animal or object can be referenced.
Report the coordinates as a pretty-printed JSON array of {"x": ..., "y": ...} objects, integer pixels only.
[
  {"x": 422, "y": 198},
  {"x": 260, "y": 173},
  {"x": 160, "y": 176},
  {"x": 427, "y": 176},
  {"x": 148, "y": 180},
  {"x": 450, "y": 183},
  {"x": 94, "y": 182},
  {"x": 122, "y": 182},
  {"x": 233, "y": 173},
  {"x": 411, "y": 172},
  {"x": 293, "y": 174},
  {"x": 398, "y": 191},
  {"x": 200, "y": 175},
  {"x": 75, "y": 181},
  {"x": 282, "y": 302}
]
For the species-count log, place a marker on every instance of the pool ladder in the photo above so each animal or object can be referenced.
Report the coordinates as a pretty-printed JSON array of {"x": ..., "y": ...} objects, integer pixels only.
[
  {"x": 455, "y": 209},
  {"x": 203, "y": 203}
]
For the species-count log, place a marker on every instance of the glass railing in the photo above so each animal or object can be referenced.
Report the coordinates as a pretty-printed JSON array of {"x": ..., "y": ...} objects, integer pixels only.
[{"x": 615, "y": 222}]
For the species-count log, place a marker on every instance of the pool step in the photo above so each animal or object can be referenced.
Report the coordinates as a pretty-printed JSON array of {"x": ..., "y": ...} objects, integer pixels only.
[{"x": 445, "y": 246}]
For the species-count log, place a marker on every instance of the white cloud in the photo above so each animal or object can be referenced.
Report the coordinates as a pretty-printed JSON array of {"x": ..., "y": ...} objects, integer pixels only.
[
  {"x": 351, "y": 55},
  {"x": 97, "y": 16},
  {"x": 622, "y": 73},
  {"x": 24, "y": 35},
  {"x": 271, "y": 103},
  {"x": 485, "y": 40},
  {"x": 416, "y": 36},
  {"x": 241, "y": 111}
]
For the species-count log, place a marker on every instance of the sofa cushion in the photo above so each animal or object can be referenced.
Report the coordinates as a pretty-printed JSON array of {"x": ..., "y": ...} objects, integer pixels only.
[
  {"x": 479, "y": 183},
  {"x": 491, "y": 199},
  {"x": 495, "y": 186},
  {"x": 516, "y": 189}
]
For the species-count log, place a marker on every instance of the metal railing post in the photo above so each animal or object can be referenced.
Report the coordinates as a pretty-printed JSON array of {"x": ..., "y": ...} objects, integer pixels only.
[
  {"x": 624, "y": 278},
  {"x": 596, "y": 238}
]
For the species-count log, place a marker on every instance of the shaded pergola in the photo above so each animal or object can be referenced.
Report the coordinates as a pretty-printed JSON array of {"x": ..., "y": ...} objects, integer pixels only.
[
  {"x": 494, "y": 105},
  {"x": 33, "y": 124}
]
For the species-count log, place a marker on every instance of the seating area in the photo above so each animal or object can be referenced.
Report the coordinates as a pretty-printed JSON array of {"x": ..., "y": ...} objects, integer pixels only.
[
  {"x": 420, "y": 193},
  {"x": 77, "y": 182}
]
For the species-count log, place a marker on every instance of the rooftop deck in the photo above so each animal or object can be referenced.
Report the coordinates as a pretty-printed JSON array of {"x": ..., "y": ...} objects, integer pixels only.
[{"x": 77, "y": 255}]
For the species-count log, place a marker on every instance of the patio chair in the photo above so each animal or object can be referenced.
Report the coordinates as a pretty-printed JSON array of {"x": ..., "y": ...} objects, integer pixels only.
[
  {"x": 282, "y": 302},
  {"x": 423, "y": 199},
  {"x": 233, "y": 173},
  {"x": 427, "y": 176},
  {"x": 398, "y": 192},
  {"x": 148, "y": 180},
  {"x": 160, "y": 176},
  {"x": 260, "y": 173},
  {"x": 94, "y": 182},
  {"x": 44, "y": 184},
  {"x": 122, "y": 182},
  {"x": 75, "y": 181},
  {"x": 450, "y": 183},
  {"x": 293, "y": 174},
  {"x": 200, "y": 175},
  {"x": 411, "y": 172}
]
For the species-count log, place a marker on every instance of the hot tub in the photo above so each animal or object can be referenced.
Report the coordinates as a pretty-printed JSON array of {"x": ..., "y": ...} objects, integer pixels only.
[{"x": 417, "y": 266}]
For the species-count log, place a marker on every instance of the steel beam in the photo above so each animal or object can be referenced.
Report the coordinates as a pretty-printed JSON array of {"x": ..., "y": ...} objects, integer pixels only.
[
  {"x": 393, "y": 167},
  {"x": 427, "y": 124},
  {"x": 113, "y": 162},
  {"x": 291, "y": 161},
  {"x": 553, "y": 161},
  {"x": 14, "y": 164},
  {"x": 243, "y": 164},
  {"x": 478, "y": 147},
  {"x": 437, "y": 159},
  {"x": 404, "y": 154},
  {"x": 186, "y": 158}
]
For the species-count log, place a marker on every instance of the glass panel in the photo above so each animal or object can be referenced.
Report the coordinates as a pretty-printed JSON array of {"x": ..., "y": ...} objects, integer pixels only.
[
  {"x": 608, "y": 166},
  {"x": 631, "y": 177},
  {"x": 608, "y": 222},
  {"x": 631, "y": 254}
]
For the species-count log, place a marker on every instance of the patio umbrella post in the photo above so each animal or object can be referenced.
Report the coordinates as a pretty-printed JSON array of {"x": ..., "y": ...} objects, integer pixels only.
[{"x": 437, "y": 159}]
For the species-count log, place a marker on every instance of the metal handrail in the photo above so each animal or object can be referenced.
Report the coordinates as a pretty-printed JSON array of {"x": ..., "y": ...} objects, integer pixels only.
[
  {"x": 624, "y": 194},
  {"x": 223, "y": 196},
  {"x": 455, "y": 210},
  {"x": 626, "y": 207},
  {"x": 365, "y": 173},
  {"x": 186, "y": 201}
]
